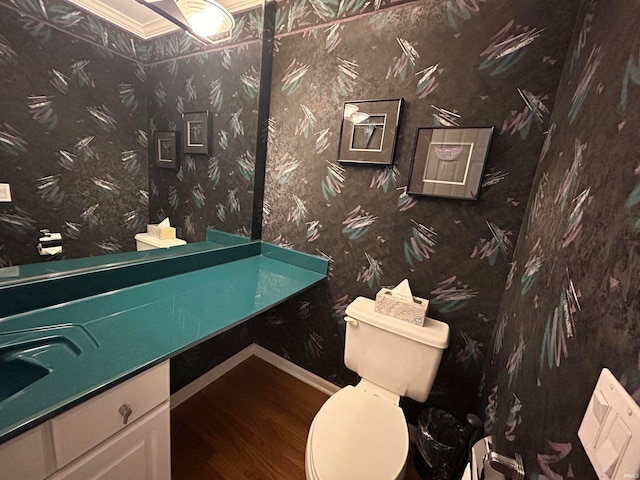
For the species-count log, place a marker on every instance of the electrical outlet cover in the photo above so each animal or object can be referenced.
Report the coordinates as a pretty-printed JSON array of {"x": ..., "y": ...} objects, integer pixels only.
[{"x": 610, "y": 430}]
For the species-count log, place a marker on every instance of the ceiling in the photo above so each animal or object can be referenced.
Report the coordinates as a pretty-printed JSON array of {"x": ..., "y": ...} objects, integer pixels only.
[{"x": 140, "y": 20}]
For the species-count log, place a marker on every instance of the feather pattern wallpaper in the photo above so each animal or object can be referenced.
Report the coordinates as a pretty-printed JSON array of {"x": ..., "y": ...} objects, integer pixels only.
[
  {"x": 535, "y": 278},
  {"x": 79, "y": 98},
  {"x": 73, "y": 141},
  {"x": 470, "y": 64},
  {"x": 208, "y": 190},
  {"x": 571, "y": 302}
]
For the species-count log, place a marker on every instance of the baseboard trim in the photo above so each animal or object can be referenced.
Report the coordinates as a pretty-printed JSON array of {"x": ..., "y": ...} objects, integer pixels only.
[
  {"x": 209, "y": 377},
  {"x": 294, "y": 370},
  {"x": 277, "y": 361}
]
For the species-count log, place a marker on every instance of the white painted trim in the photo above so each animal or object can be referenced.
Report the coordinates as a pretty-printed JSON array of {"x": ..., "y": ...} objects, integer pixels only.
[
  {"x": 218, "y": 371},
  {"x": 154, "y": 27},
  {"x": 146, "y": 30},
  {"x": 294, "y": 370},
  {"x": 209, "y": 377},
  {"x": 240, "y": 5},
  {"x": 157, "y": 27}
]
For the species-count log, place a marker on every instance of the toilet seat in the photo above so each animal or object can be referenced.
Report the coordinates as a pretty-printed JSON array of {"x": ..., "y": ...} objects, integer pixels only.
[{"x": 357, "y": 434}]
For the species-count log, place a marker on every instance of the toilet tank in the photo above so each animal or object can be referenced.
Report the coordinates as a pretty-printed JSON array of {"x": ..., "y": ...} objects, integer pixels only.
[
  {"x": 396, "y": 355},
  {"x": 144, "y": 241}
]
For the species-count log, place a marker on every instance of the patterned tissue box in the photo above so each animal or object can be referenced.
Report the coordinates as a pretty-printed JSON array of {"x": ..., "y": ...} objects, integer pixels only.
[{"x": 408, "y": 309}]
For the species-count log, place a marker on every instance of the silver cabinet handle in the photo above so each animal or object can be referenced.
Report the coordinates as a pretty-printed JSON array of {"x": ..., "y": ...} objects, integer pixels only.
[{"x": 125, "y": 411}]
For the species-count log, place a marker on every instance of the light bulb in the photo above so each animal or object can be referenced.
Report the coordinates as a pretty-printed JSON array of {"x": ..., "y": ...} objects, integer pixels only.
[
  {"x": 204, "y": 23},
  {"x": 205, "y": 17}
]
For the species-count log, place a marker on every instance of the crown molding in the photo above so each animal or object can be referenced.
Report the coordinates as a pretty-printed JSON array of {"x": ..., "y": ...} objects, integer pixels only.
[
  {"x": 153, "y": 25},
  {"x": 240, "y": 5},
  {"x": 146, "y": 30}
]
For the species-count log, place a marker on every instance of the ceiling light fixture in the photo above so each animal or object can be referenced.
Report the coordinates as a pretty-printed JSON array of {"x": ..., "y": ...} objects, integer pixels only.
[
  {"x": 206, "y": 17},
  {"x": 206, "y": 20}
]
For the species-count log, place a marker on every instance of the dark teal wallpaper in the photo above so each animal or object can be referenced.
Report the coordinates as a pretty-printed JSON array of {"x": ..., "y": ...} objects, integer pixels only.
[
  {"x": 208, "y": 190},
  {"x": 571, "y": 302},
  {"x": 73, "y": 141},
  {"x": 537, "y": 278},
  {"x": 454, "y": 63},
  {"x": 79, "y": 99}
]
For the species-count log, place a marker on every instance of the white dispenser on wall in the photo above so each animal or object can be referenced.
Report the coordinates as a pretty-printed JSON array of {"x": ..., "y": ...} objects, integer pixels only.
[{"x": 49, "y": 244}]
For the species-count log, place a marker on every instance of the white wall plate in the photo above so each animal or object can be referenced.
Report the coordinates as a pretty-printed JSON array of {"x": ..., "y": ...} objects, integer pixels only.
[
  {"x": 5, "y": 192},
  {"x": 610, "y": 430}
]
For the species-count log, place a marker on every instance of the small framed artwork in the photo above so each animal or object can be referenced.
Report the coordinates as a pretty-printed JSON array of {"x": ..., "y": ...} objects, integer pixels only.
[
  {"x": 449, "y": 162},
  {"x": 197, "y": 133},
  {"x": 165, "y": 149},
  {"x": 369, "y": 131}
]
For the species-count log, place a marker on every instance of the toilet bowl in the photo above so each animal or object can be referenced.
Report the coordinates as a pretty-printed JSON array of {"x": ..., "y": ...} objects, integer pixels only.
[{"x": 359, "y": 433}]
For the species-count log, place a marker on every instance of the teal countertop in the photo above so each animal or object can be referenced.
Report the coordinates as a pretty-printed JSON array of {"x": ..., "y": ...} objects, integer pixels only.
[
  {"x": 104, "y": 339},
  {"x": 30, "y": 287},
  {"x": 21, "y": 274},
  {"x": 43, "y": 271}
]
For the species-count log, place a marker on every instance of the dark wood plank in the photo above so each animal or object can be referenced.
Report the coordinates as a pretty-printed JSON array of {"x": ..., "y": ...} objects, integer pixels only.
[{"x": 251, "y": 424}]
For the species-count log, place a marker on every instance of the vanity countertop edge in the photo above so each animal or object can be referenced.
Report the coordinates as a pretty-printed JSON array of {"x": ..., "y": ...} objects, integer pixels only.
[{"x": 117, "y": 334}]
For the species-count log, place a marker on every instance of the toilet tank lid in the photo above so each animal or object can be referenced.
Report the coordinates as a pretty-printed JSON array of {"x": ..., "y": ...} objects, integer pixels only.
[{"x": 433, "y": 332}]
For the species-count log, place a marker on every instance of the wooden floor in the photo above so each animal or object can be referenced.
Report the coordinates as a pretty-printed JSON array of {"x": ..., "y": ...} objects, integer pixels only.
[{"x": 250, "y": 424}]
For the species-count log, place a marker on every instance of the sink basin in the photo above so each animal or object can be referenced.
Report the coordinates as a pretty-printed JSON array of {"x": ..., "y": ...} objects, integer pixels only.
[
  {"x": 29, "y": 355},
  {"x": 18, "y": 373}
]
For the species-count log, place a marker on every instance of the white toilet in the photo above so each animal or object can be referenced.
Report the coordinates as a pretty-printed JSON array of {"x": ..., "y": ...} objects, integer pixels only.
[{"x": 360, "y": 433}]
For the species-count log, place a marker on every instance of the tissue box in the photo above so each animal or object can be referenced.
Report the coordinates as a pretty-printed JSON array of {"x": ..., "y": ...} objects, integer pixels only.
[
  {"x": 162, "y": 233},
  {"x": 408, "y": 309}
]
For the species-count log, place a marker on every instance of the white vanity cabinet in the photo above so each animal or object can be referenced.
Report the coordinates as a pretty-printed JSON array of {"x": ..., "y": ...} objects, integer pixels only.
[
  {"x": 28, "y": 456},
  {"x": 139, "y": 452},
  {"x": 121, "y": 434}
]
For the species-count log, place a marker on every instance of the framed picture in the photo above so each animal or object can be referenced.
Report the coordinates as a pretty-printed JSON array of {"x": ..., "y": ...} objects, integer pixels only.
[
  {"x": 165, "y": 149},
  {"x": 196, "y": 137},
  {"x": 449, "y": 162},
  {"x": 369, "y": 131}
]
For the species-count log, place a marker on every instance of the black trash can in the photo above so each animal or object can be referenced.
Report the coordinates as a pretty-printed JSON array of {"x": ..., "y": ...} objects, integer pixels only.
[{"x": 443, "y": 444}]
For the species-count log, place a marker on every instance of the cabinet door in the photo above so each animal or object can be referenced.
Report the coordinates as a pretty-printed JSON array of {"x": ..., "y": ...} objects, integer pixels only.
[
  {"x": 139, "y": 452},
  {"x": 29, "y": 456}
]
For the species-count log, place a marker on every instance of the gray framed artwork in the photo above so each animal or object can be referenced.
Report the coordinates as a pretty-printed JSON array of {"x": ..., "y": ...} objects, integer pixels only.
[
  {"x": 165, "y": 149},
  {"x": 196, "y": 138},
  {"x": 449, "y": 162},
  {"x": 369, "y": 131}
]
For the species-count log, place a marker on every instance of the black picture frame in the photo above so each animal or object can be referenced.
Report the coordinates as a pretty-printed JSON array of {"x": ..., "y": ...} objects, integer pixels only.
[
  {"x": 369, "y": 131},
  {"x": 196, "y": 137},
  {"x": 165, "y": 148},
  {"x": 449, "y": 162}
]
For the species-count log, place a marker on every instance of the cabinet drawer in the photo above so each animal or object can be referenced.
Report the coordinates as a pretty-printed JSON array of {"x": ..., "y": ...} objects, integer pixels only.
[{"x": 85, "y": 426}]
